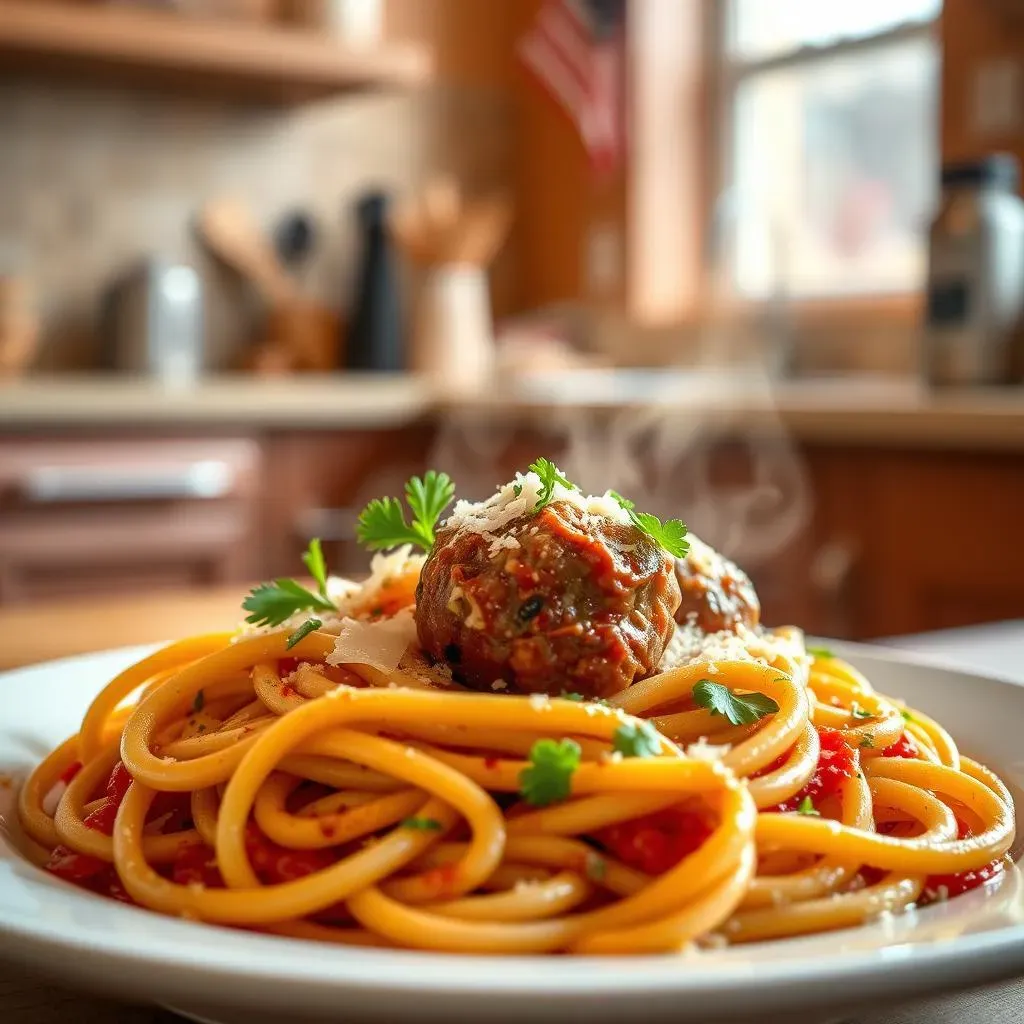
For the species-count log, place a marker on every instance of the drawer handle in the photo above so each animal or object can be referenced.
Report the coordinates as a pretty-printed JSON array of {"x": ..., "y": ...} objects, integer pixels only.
[{"x": 52, "y": 485}]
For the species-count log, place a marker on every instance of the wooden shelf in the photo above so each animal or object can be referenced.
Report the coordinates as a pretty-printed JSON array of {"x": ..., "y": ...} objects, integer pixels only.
[{"x": 157, "y": 48}]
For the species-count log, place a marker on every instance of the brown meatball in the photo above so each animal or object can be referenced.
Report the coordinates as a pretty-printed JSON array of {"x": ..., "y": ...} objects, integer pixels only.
[
  {"x": 717, "y": 594},
  {"x": 553, "y": 604}
]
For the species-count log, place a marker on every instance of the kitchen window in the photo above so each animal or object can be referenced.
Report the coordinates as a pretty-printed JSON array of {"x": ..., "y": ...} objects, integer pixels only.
[{"x": 826, "y": 146}]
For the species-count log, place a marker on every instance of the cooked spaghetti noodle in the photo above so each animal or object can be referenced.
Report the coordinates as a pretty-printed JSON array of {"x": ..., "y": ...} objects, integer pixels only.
[{"x": 289, "y": 784}]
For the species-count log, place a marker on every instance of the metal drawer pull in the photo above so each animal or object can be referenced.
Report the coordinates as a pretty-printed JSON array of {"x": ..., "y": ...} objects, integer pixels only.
[{"x": 57, "y": 484}]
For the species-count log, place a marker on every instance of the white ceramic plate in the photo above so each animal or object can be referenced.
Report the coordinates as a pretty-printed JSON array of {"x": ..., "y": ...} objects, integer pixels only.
[{"x": 227, "y": 975}]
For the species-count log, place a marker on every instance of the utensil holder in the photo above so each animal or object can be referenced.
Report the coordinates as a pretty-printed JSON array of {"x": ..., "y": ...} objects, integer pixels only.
[{"x": 454, "y": 329}]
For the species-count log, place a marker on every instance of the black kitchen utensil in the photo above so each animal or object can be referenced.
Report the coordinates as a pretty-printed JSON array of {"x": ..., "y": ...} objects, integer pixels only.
[{"x": 374, "y": 339}]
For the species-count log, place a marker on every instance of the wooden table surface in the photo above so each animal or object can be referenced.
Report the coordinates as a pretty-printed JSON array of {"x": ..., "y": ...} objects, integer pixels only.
[{"x": 37, "y": 632}]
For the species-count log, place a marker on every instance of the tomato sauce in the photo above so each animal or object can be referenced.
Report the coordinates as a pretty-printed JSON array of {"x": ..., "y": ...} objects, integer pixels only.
[
  {"x": 905, "y": 746},
  {"x": 837, "y": 762},
  {"x": 657, "y": 842}
]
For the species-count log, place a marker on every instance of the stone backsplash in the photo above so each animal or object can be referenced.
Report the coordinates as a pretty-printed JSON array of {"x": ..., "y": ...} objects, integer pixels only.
[{"x": 92, "y": 180}]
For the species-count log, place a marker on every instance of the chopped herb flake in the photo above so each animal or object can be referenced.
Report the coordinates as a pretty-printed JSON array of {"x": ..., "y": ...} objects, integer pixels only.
[
  {"x": 548, "y": 777},
  {"x": 807, "y": 807},
  {"x": 637, "y": 739},
  {"x": 739, "y": 709},
  {"x": 596, "y": 868},
  {"x": 309, "y": 626},
  {"x": 550, "y": 477},
  {"x": 422, "y": 824}
]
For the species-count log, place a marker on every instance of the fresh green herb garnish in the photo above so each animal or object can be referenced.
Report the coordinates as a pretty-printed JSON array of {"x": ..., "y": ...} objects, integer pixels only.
[
  {"x": 738, "y": 708},
  {"x": 421, "y": 824},
  {"x": 548, "y": 777},
  {"x": 807, "y": 807},
  {"x": 309, "y": 626},
  {"x": 198, "y": 702},
  {"x": 820, "y": 652},
  {"x": 550, "y": 475},
  {"x": 670, "y": 535},
  {"x": 637, "y": 739},
  {"x": 858, "y": 712},
  {"x": 382, "y": 523},
  {"x": 270, "y": 604},
  {"x": 868, "y": 741},
  {"x": 568, "y": 695},
  {"x": 313, "y": 560},
  {"x": 596, "y": 867},
  {"x": 517, "y": 489},
  {"x": 907, "y": 716}
]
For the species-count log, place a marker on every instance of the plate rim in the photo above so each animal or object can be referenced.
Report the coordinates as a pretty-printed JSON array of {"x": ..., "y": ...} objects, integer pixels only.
[{"x": 406, "y": 972}]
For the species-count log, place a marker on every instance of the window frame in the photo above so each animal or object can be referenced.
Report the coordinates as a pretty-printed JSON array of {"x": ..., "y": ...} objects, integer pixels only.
[{"x": 726, "y": 74}]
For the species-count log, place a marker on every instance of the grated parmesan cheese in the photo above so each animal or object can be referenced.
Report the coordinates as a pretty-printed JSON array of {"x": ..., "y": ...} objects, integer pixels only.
[
  {"x": 704, "y": 751},
  {"x": 491, "y": 516},
  {"x": 504, "y": 542},
  {"x": 380, "y": 644},
  {"x": 690, "y": 644}
]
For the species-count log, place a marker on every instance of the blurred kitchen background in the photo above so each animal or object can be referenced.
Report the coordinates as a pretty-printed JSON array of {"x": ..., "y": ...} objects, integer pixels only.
[{"x": 756, "y": 263}]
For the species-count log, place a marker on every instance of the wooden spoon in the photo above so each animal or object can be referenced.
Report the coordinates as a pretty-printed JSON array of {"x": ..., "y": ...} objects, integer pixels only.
[{"x": 230, "y": 230}]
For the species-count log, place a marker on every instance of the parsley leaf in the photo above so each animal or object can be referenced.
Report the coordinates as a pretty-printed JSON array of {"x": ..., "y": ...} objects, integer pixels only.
[
  {"x": 382, "y": 523},
  {"x": 428, "y": 498},
  {"x": 868, "y": 741},
  {"x": 313, "y": 560},
  {"x": 550, "y": 475},
  {"x": 309, "y": 626},
  {"x": 421, "y": 824},
  {"x": 807, "y": 807},
  {"x": 670, "y": 535},
  {"x": 739, "y": 709},
  {"x": 569, "y": 695},
  {"x": 270, "y": 604},
  {"x": 858, "y": 712},
  {"x": 637, "y": 739},
  {"x": 548, "y": 777},
  {"x": 820, "y": 652},
  {"x": 907, "y": 716},
  {"x": 199, "y": 702},
  {"x": 517, "y": 489}
]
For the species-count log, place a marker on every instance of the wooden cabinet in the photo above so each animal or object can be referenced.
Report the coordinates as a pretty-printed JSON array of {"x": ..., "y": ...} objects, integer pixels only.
[
  {"x": 317, "y": 483},
  {"x": 82, "y": 517},
  {"x": 944, "y": 542},
  {"x": 847, "y": 542},
  {"x": 903, "y": 542}
]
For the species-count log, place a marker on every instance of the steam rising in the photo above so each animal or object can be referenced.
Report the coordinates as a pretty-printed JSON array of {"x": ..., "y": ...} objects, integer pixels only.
[{"x": 680, "y": 444}]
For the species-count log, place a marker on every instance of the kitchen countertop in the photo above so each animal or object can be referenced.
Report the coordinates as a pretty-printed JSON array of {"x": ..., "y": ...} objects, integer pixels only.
[{"x": 849, "y": 410}]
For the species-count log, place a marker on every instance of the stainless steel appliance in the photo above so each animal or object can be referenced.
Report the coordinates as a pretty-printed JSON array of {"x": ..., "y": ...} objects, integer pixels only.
[
  {"x": 152, "y": 322},
  {"x": 975, "y": 296}
]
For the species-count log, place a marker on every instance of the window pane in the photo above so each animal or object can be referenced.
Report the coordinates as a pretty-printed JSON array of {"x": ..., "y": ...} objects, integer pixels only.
[
  {"x": 760, "y": 28},
  {"x": 834, "y": 168}
]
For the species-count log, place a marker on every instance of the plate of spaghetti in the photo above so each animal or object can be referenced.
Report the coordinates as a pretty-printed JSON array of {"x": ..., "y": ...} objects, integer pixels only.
[{"x": 546, "y": 759}]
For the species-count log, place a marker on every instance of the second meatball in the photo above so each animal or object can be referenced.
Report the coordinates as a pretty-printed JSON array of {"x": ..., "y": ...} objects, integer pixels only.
[{"x": 717, "y": 594}]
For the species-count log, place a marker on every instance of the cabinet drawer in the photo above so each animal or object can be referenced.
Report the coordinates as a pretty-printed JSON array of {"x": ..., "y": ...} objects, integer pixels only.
[{"x": 95, "y": 516}]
